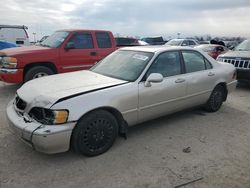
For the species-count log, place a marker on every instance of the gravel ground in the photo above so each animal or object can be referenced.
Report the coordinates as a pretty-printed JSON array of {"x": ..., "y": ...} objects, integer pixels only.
[{"x": 152, "y": 156}]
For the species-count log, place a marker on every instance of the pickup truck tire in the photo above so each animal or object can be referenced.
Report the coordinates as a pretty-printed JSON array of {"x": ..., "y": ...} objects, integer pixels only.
[
  {"x": 216, "y": 99},
  {"x": 95, "y": 133},
  {"x": 37, "y": 72}
]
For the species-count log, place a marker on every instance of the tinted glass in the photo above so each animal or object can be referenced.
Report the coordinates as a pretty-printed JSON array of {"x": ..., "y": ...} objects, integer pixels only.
[
  {"x": 193, "y": 61},
  {"x": 124, "y": 65},
  {"x": 82, "y": 41},
  {"x": 167, "y": 64},
  {"x": 208, "y": 65},
  {"x": 191, "y": 42},
  {"x": 103, "y": 40},
  {"x": 185, "y": 43}
]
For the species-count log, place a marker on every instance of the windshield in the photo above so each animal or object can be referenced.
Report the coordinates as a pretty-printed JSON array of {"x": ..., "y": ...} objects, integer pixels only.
[
  {"x": 174, "y": 42},
  {"x": 244, "y": 46},
  {"x": 123, "y": 64},
  {"x": 55, "y": 40}
]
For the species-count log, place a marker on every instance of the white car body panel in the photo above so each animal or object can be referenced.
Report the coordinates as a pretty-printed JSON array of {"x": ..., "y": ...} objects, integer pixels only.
[{"x": 84, "y": 91}]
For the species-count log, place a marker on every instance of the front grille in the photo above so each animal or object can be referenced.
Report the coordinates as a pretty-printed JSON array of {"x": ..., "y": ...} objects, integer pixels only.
[
  {"x": 20, "y": 104},
  {"x": 242, "y": 64}
]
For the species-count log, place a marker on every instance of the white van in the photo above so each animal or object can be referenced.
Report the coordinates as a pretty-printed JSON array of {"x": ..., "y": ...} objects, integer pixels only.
[{"x": 14, "y": 33}]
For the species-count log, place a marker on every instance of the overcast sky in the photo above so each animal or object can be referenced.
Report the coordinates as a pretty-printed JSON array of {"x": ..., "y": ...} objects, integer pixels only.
[{"x": 132, "y": 17}]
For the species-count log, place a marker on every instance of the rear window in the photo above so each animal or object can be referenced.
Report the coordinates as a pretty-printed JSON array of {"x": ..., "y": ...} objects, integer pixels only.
[{"x": 103, "y": 40}]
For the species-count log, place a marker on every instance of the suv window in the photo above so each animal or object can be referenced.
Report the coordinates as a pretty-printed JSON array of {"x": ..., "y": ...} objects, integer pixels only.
[
  {"x": 82, "y": 41},
  {"x": 194, "y": 61},
  {"x": 191, "y": 42},
  {"x": 103, "y": 40},
  {"x": 185, "y": 43},
  {"x": 167, "y": 64}
]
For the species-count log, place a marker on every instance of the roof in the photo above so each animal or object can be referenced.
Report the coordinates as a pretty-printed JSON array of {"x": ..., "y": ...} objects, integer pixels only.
[
  {"x": 156, "y": 48},
  {"x": 14, "y": 26},
  {"x": 80, "y": 30}
]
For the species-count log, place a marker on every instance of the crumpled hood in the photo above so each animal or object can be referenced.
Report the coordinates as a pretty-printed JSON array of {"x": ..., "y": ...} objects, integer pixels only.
[
  {"x": 233, "y": 54},
  {"x": 23, "y": 50},
  {"x": 45, "y": 91}
]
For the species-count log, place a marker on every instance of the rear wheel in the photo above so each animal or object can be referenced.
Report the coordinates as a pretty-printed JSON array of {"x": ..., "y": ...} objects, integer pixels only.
[
  {"x": 216, "y": 99},
  {"x": 37, "y": 72},
  {"x": 95, "y": 133}
]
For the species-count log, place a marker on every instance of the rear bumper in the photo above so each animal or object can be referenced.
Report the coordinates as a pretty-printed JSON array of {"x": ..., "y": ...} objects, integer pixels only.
[
  {"x": 43, "y": 138},
  {"x": 243, "y": 74},
  {"x": 11, "y": 75}
]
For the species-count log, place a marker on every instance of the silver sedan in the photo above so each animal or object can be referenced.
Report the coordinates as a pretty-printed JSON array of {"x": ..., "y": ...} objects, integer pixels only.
[{"x": 88, "y": 109}]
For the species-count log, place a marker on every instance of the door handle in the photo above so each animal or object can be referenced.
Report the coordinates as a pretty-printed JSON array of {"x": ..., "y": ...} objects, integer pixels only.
[
  {"x": 211, "y": 74},
  {"x": 180, "y": 80},
  {"x": 93, "y": 53}
]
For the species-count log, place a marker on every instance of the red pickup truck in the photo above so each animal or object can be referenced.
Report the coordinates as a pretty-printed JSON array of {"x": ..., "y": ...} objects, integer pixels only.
[{"x": 64, "y": 51}]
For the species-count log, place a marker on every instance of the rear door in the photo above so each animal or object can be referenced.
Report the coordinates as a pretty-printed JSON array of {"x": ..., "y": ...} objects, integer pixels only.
[
  {"x": 162, "y": 98},
  {"x": 82, "y": 53},
  {"x": 200, "y": 75},
  {"x": 105, "y": 44}
]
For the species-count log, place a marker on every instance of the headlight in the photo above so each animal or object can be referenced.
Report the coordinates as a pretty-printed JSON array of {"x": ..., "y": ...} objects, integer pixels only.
[
  {"x": 8, "y": 62},
  {"x": 49, "y": 116}
]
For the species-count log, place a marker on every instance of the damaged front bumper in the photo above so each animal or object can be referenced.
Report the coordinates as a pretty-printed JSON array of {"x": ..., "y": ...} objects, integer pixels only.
[{"x": 43, "y": 138}]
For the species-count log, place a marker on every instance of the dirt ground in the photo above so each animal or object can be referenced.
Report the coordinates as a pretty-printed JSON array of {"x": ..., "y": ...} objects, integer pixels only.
[{"x": 152, "y": 156}]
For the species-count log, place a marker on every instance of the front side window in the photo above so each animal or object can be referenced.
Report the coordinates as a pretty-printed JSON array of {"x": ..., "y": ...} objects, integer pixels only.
[
  {"x": 167, "y": 64},
  {"x": 81, "y": 41},
  {"x": 55, "y": 40},
  {"x": 103, "y": 40},
  {"x": 194, "y": 61}
]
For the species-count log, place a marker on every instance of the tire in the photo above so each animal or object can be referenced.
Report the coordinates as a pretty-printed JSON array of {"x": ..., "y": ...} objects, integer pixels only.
[
  {"x": 216, "y": 99},
  {"x": 95, "y": 133},
  {"x": 37, "y": 72}
]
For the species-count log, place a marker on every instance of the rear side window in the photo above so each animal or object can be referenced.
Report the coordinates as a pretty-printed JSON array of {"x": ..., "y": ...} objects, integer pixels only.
[
  {"x": 191, "y": 42},
  {"x": 103, "y": 40},
  {"x": 82, "y": 41},
  {"x": 194, "y": 61}
]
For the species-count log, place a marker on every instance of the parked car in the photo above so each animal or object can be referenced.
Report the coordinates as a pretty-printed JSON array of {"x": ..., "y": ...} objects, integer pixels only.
[
  {"x": 182, "y": 42},
  {"x": 240, "y": 58},
  {"x": 4, "y": 45},
  {"x": 212, "y": 49},
  {"x": 64, "y": 51},
  {"x": 87, "y": 109},
  {"x": 16, "y": 34},
  {"x": 126, "y": 41},
  {"x": 154, "y": 40},
  {"x": 231, "y": 44}
]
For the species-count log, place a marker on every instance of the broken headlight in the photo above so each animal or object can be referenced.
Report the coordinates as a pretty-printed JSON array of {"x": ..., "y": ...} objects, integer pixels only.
[{"x": 49, "y": 116}]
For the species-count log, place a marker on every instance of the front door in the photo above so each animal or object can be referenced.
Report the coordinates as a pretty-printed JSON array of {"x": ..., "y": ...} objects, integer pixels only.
[
  {"x": 81, "y": 54},
  {"x": 165, "y": 97}
]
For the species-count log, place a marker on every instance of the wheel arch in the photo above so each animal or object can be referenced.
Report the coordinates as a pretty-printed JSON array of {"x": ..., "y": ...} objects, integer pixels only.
[
  {"x": 116, "y": 113},
  {"x": 34, "y": 64}
]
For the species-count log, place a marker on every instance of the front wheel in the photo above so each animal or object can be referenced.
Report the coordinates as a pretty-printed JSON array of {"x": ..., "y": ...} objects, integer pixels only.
[
  {"x": 95, "y": 133},
  {"x": 216, "y": 99},
  {"x": 37, "y": 72}
]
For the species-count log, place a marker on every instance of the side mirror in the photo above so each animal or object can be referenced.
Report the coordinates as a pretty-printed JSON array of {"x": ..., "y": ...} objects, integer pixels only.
[
  {"x": 153, "y": 78},
  {"x": 69, "y": 45}
]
